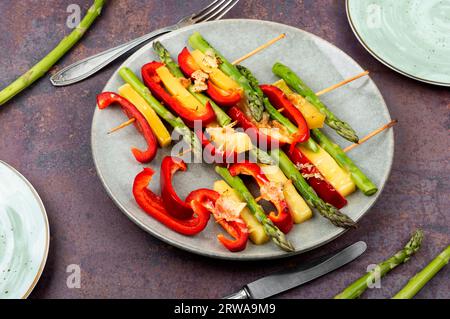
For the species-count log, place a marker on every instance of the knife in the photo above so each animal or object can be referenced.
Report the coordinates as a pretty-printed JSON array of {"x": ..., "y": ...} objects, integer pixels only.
[{"x": 287, "y": 279}]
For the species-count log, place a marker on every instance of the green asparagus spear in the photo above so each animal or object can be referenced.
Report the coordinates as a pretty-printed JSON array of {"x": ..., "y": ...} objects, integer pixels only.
[
  {"x": 273, "y": 112},
  {"x": 341, "y": 127},
  {"x": 176, "y": 122},
  {"x": 165, "y": 57},
  {"x": 359, "y": 286},
  {"x": 39, "y": 69},
  {"x": 255, "y": 103},
  {"x": 358, "y": 177},
  {"x": 309, "y": 195},
  {"x": 222, "y": 117},
  {"x": 419, "y": 280},
  {"x": 271, "y": 230}
]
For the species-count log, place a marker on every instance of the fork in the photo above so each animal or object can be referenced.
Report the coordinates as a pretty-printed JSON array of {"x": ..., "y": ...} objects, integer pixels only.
[{"x": 83, "y": 69}]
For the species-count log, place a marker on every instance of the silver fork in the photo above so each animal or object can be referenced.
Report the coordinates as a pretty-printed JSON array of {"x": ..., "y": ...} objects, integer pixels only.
[{"x": 85, "y": 68}]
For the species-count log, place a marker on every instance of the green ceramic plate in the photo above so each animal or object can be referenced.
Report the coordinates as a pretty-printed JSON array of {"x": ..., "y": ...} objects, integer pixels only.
[
  {"x": 24, "y": 235},
  {"x": 410, "y": 36}
]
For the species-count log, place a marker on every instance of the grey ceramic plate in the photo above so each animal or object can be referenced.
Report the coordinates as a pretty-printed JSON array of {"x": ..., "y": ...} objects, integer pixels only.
[
  {"x": 319, "y": 63},
  {"x": 411, "y": 37},
  {"x": 24, "y": 235}
]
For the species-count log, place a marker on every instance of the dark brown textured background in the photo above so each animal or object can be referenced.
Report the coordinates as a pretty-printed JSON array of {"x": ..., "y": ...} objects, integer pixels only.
[{"x": 45, "y": 134}]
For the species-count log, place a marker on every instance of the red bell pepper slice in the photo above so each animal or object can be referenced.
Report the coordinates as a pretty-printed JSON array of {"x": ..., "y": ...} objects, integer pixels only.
[
  {"x": 258, "y": 138},
  {"x": 153, "y": 82},
  {"x": 237, "y": 229},
  {"x": 283, "y": 219},
  {"x": 187, "y": 63},
  {"x": 322, "y": 187},
  {"x": 153, "y": 205},
  {"x": 211, "y": 153},
  {"x": 222, "y": 97},
  {"x": 280, "y": 101},
  {"x": 175, "y": 206},
  {"x": 107, "y": 98}
]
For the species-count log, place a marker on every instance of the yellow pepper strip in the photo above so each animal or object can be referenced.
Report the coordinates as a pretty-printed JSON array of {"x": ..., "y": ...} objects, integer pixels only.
[
  {"x": 178, "y": 91},
  {"x": 219, "y": 78},
  {"x": 312, "y": 115},
  {"x": 339, "y": 178},
  {"x": 157, "y": 126}
]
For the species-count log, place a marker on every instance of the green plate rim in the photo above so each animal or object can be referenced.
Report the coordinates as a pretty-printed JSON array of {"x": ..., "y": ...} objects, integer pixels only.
[
  {"x": 47, "y": 228},
  {"x": 379, "y": 58}
]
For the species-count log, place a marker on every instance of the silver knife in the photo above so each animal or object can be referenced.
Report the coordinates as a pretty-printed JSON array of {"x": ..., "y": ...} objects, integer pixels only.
[
  {"x": 85, "y": 68},
  {"x": 282, "y": 281}
]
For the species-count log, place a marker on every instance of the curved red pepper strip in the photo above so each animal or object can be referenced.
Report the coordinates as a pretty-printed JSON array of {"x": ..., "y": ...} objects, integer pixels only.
[
  {"x": 238, "y": 230},
  {"x": 283, "y": 219},
  {"x": 221, "y": 97},
  {"x": 153, "y": 206},
  {"x": 174, "y": 205},
  {"x": 279, "y": 100},
  {"x": 153, "y": 82},
  {"x": 258, "y": 138},
  {"x": 211, "y": 153},
  {"x": 187, "y": 63},
  {"x": 107, "y": 98},
  {"x": 322, "y": 187}
]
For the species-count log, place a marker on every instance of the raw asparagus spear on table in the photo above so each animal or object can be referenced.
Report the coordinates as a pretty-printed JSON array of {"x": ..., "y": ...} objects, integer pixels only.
[
  {"x": 420, "y": 279},
  {"x": 271, "y": 230},
  {"x": 42, "y": 67},
  {"x": 358, "y": 177},
  {"x": 328, "y": 211},
  {"x": 177, "y": 123},
  {"x": 359, "y": 286},
  {"x": 292, "y": 79},
  {"x": 255, "y": 102}
]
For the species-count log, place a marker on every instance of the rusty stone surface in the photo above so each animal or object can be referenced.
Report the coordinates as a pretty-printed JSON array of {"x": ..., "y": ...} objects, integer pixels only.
[{"x": 46, "y": 135}]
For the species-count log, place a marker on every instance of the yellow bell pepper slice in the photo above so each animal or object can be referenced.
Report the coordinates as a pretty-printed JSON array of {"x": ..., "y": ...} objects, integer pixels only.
[
  {"x": 157, "y": 126},
  {"x": 312, "y": 115},
  {"x": 177, "y": 90},
  {"x": 339, "y": 178},
  {"x": 219, "y": 78},
  {"x": 300, "y": 211}
]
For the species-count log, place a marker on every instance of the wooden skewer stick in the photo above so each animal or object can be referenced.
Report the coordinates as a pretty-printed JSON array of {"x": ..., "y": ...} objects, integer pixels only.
[
  {"x": 338, "y": 85},
  {"x": 185, "y": 152},
  {"x": 368, "y": 137},
  {"x": 258, "y": 49},
  {"x": 121, "y": 126}
]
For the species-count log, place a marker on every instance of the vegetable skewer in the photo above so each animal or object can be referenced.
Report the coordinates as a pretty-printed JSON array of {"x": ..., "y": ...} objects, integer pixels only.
[
  {"x": 255, "y": 103},
  {"x": 341, "y": 127},
  {"x": 222, "y": 117},
  {"x": 358, "y": 177},
  {"x": 271, "y": 230},
  {"x": 309, "y": 195},
  {"x": 359, "y": 286},
  {"x": 176, "y": 122},
  {"x": 42, "y": 67},
  {"x": 420, "y": 279},
  {"x": 273, "y": 112}
]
